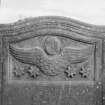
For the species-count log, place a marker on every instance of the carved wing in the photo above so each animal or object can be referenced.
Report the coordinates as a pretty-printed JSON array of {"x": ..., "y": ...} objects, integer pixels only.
[
  {"x": 76, "y": 55},
  {"x": 37, "y": 57},
  {"x": 27, "y": 56},
  {"x": 48, "y": 65}
]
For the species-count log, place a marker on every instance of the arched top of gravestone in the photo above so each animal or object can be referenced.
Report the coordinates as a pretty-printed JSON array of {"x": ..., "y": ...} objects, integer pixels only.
[{"x": 51, "y": 22}]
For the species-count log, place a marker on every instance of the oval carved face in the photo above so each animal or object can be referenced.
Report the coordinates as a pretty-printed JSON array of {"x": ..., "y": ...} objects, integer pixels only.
[{"x": 52, "y": 46}]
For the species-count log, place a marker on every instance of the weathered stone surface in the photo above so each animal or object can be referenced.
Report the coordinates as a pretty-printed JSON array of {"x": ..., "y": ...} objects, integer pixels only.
[
  {"x": 0, "y": 70},
  {"x": 81, "y": 95},
  {"x": 31, "y": 94},
  {"x": 103, "y": 81},
  {"x": 52, "y": 61}
]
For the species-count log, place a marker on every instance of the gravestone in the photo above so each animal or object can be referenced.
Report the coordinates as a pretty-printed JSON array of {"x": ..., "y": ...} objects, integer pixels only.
[{"x": 51, "y": 61}]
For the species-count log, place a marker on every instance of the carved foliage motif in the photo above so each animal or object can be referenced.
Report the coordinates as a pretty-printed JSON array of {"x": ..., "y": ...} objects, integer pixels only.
[{"x": 51, "y": 58}]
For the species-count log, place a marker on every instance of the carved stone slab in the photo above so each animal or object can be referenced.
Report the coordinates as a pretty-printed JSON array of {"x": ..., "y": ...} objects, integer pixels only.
[
  {"x": 51, "y": 58},
  {"x": 51, "y": 61}
]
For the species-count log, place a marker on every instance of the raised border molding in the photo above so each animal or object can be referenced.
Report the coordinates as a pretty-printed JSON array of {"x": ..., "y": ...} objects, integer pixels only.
[{"x": 26, "y": 25}]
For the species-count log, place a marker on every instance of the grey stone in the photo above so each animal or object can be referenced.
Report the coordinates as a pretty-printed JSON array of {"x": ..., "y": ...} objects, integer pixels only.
[{"x": 51, "y": 61}]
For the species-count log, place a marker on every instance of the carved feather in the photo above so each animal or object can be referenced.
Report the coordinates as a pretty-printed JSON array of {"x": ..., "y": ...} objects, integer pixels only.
[
  {"x": 49, "y": 66},
  {"x": 38, "y": 58}
]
